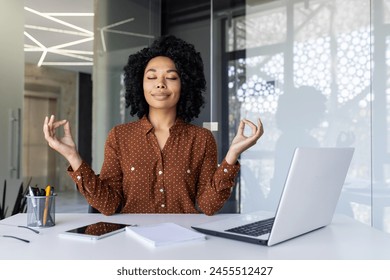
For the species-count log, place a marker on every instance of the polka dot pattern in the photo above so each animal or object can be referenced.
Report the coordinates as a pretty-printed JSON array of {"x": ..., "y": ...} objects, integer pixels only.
[{"x": 139, "y": 177}]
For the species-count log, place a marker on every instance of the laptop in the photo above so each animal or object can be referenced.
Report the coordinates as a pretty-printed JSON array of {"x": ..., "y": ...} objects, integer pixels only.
[{"x": 308, "y": 201}]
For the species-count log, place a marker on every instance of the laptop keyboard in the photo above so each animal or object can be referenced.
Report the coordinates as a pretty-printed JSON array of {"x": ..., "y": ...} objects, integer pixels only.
[{"x": 254, "y": 229}]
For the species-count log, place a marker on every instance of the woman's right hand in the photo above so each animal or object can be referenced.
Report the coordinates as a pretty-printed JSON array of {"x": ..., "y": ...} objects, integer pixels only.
[{"x": 65, "y": 145}]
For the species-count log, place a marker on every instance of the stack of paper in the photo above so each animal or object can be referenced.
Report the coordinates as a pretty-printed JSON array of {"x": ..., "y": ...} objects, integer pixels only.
[{"x": 164, "y": 234}]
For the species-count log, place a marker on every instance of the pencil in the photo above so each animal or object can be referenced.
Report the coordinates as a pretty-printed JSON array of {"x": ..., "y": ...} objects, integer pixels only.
[{"x": 47, "y": 191}]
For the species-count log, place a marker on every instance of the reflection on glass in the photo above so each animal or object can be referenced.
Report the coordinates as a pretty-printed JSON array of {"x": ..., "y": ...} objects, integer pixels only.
[{"x": 305, "y": 68}]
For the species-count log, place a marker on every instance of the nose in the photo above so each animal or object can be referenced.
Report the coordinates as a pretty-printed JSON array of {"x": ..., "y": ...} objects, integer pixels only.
[{"x": 160, "y": 84}]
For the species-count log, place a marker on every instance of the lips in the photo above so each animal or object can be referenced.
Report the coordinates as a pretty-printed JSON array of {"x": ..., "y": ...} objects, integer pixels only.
[{"x": 160, "y": 96}]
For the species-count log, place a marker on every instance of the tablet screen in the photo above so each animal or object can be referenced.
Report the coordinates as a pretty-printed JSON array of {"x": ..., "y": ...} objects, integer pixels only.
[{"x": 97, "y": 230}]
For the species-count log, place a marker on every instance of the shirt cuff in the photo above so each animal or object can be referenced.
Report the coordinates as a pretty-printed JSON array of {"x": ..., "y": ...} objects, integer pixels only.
[
  {"x": 228, "y": 171},
  {"x": 82, "y": 175}
]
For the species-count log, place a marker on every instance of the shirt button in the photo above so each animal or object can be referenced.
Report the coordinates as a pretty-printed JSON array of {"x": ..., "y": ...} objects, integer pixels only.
[
  {"x": 162, "y": 205},
  {"x": 78, "y": 177},
  {"x": 160, "y": 172},
  {"x": 225, "y": 170},
  {"x": 132, "y": 168},
  {"x": 161, "y": 190}
]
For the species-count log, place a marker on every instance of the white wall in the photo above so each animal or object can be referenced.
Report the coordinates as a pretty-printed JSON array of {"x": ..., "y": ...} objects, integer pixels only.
[{"x": 11, "y": 82}]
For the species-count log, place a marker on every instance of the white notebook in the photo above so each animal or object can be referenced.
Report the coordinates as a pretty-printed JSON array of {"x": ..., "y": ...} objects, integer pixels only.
[{"x": 164, "y": 234}]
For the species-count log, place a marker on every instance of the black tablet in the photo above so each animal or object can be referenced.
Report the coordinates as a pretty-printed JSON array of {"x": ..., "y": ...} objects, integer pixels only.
[{"x": 95, "y": 231}]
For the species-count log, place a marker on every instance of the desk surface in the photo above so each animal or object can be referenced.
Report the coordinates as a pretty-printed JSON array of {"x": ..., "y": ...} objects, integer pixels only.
[{"x": 345, "y": 238}]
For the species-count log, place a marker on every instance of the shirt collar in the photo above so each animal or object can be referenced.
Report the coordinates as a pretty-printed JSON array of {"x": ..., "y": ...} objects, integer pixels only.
[{"x": 148, "y": 127}]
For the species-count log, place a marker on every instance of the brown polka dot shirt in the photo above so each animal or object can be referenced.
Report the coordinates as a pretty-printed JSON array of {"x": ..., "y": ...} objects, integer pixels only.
[{"x": 138, "y": 177}]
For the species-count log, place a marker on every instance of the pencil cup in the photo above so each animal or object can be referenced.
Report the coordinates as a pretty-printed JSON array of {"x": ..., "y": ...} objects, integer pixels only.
[{"x": 41, "y": 211}]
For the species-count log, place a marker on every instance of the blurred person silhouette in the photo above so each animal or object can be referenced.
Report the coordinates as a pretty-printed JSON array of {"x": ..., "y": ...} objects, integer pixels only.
[{"x": 299, "y": 111}]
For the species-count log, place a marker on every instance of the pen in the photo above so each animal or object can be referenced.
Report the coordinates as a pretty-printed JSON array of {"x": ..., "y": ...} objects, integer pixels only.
[
  {"x": 48, "y": 192},
  {"x": 34, "y": 204},
  {"x": 51, "y": 204},
  {"x": 18, "y": 238}
]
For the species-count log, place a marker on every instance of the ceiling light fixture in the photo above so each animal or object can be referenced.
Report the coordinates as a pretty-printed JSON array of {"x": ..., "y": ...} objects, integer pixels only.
[
  {"x": 42, "y": 28},
  {"x": 67, "y": 63},
  {"x": 107, "y": 28},
  {"x": 59, "y": 21},
  {"x": 85, "y": 55},
  {"x": 69, "y": 14}
]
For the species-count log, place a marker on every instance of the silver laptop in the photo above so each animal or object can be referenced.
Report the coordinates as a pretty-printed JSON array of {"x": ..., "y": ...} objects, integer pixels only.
[{"x": 308, "y": 201}]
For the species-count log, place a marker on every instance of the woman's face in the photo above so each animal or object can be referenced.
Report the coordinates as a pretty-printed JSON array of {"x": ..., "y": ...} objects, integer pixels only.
[{"x": 161, "y": 84}]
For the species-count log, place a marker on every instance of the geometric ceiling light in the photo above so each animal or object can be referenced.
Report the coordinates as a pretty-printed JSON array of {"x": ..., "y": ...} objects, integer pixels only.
[
  {"x": 109, "y": 29},
  {"x": 61, "y": 39}
]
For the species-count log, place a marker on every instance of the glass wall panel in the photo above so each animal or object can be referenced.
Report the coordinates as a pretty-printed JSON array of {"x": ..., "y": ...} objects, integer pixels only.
[
  {"x": 381, "y": 115},
  {"x": 121, "y": 29},
  {"x": 316, "y": 73}
]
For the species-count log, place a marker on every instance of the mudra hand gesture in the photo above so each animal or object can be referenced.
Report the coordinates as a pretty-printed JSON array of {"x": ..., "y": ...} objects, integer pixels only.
[
  {"x": 65, "y": 145},
  {"x": 241, "y": 142}
]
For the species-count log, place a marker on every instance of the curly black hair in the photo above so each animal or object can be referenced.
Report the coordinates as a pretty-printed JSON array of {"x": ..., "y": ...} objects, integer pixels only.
[{"x": 189, "y": 64}]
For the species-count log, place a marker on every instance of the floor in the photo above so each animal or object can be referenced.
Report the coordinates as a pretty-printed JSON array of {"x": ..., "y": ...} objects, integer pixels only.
[{"x": 71, "y": 202}]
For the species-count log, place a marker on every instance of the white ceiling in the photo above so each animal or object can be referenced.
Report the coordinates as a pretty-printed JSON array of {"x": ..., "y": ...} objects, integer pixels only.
[{"x": 59, "y": 34}]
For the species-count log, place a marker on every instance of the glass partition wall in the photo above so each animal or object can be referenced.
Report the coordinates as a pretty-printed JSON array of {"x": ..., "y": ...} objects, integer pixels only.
[
  {"x": 122, "y": 27},
  {"x": 316, "y": 72}
]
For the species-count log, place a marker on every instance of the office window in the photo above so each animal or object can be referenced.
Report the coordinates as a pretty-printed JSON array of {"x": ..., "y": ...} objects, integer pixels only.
[{"x": 316, "y": 72}]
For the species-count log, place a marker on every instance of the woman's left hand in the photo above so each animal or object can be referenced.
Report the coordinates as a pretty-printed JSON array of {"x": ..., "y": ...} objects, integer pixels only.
[{"x": 241, "y": 142}]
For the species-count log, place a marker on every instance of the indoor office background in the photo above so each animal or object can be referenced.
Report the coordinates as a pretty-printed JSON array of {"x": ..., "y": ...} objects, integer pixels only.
[{"x": 315, "y": 71}]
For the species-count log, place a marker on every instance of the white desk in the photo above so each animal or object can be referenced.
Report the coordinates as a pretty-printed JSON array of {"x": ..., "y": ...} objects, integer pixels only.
[{"x": 345, "y": 238}]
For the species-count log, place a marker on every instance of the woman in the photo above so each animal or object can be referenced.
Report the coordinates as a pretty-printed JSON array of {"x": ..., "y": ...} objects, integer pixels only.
[{"x": 160, "y": 163}]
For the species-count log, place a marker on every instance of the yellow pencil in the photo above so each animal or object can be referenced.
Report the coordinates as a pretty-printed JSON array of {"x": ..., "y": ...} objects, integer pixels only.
[{"x": 47, "y": 191}]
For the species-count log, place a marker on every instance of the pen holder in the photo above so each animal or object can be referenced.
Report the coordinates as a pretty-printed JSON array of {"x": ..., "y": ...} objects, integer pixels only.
[{"x": 41, "y": 211}]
